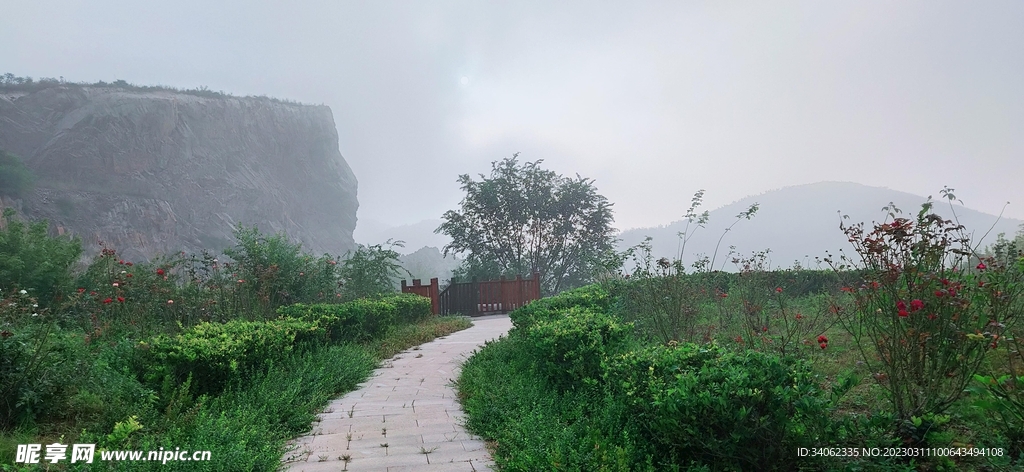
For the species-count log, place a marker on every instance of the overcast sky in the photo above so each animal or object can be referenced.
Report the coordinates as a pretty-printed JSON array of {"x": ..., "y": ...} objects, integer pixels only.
[{"x": 654, "y": 100}]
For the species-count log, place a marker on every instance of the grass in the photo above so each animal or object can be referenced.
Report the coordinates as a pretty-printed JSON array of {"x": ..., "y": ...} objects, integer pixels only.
[
  {"x": 530, "y": 425},
  {"x": 247, "y": 425}
]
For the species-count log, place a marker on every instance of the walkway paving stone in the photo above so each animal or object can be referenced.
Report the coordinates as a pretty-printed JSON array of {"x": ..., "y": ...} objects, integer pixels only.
[{"x": 405, "y": 417}]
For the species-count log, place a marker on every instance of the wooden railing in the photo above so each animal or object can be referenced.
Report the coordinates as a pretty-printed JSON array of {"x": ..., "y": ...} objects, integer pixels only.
[
  {"x": 429, "y": 291},
  {"x": 494, "y": 296}
]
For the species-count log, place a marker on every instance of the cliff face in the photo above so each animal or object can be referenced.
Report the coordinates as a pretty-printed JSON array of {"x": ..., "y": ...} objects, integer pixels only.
[{"x": 155, "y": 172}]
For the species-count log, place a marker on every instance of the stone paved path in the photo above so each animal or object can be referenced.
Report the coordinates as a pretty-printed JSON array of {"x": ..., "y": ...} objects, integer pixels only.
[{"x": 405, "y": 417}]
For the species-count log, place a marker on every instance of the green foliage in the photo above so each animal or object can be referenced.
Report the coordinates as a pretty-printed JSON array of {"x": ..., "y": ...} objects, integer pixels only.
[
  {"x": 16, "y": 180},
  {"x": 214, "y": 354},
  {"x": 568, "y": 389},
  {"x": 404, "y": 336},
  {"x": 591, "y": 296},
  {"x": 363, "y": 319},
  {"x": 536, "y": 428},
  {"x": 40, "y": 366},
  {"x": 277, "y": 272},
  {"x": 370, "y": 271},
  {"x": 926, "y": 316},
  {"x": 570, "y": 350},
  {"x": 524, "y": 219},
  {"x": 1002, "y": 399},
  {"x": 31, "y": 259},
  {"x": 728, "y": 410}
]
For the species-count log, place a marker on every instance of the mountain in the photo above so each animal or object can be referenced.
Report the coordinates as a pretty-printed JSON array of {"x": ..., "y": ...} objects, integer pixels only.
[
  {"x": 427, "y": 262},
  {"x": 801, "y": 222},
  {"x": 149, "y": 170},
  {"x": 415, "y": 235}
]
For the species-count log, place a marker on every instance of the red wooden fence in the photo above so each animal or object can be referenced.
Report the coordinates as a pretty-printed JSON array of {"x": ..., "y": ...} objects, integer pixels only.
[
  {"x": 429, "y": 291},
  {"x": 478, "y": 298}
]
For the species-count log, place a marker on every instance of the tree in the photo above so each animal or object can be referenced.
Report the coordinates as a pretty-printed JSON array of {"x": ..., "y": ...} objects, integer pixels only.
[
  {"x": 15, "y": 179},
  {"x": 371, "y": 270},
  {"x": 32, "y": 260},
  {"x": 524, "y": 219}
]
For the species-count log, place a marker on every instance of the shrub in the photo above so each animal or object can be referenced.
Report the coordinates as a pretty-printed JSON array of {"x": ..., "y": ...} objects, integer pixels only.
[
  {"x": 731, "y": 410},
  {"x": 277, "y": 272},
  {"x": 31, "y": 259},
  {"x": 363, "y": 319},
  {"x": 535, "y": 428},
  {"x": 40, "y": 367},
  {"x": 216, "y": 353},
  {"x": 571, "y": 349},
  {"x": 370, "y": 271},
  {"x": 590, "y": 296},
  {"x": 928, "y": 312}
]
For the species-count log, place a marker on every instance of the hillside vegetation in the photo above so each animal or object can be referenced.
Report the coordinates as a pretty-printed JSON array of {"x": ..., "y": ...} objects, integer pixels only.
[
  {"x": 234, "y": 354},
  {"x": 903, "y": 356}
]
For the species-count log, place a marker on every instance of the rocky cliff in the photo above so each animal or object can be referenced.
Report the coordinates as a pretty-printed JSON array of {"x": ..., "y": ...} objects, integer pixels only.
[{"x": 154, "y": 172}]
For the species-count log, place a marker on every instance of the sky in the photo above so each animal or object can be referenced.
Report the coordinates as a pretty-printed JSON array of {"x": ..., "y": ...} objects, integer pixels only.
[{"x": 652, "y": 100}]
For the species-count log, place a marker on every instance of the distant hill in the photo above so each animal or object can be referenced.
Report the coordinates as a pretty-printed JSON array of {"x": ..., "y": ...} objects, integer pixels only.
[
  {"x": 415, "y": 235},
  {"x": 427, "y": 262},
  {"x": 801, "y": 222}
]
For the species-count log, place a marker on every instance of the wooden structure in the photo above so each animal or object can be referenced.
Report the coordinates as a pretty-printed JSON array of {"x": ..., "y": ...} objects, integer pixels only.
[
  {"x": 429, "y": 291},
  {"x": 478, "y": 298}
]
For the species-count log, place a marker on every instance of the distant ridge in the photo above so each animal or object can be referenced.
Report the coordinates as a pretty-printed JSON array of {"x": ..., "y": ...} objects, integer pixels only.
[{"x": 801, "y": 222}]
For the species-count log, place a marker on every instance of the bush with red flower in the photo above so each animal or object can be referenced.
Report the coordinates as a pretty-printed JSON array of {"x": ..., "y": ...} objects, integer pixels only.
[{"x": 926, "y": 316}]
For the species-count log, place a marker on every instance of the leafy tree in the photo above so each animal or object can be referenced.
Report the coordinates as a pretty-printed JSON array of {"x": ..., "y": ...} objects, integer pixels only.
[
  {"x": 371, "y": 270},
  {"x": 277, "y": 270},
  {"x": 524, "y": 218},
  {"x": 15, "y": 179},
  {"x": 32, "y": 260}
]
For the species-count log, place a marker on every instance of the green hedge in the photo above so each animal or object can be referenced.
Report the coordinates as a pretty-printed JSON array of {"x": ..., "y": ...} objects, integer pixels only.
[
  {"x": 363, "y": 319},
  {"x": 667, "y": 406},
  {"x": 215, "y": 353},
  {"x": 591, "y": 296},
  {"x": 703, "y": 403},
  {"x": 570, "y": 350}
]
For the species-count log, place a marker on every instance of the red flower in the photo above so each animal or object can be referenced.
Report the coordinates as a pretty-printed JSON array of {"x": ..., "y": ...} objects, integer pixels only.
[
  {"x": 129, "y": 263},
  {"x": 945, "y": 281},
  {"x": 120, "y": 299},
  {"x": 778, "y": 289},
  {"x": 916, "y": 304},
  {"x": 939, "y": 293},
  {"x": 764, "y": 329},
  {"x": 121, "y": 262},
  {"x": 932, "y": 316},
  {"x": 723, "y": 295},
  {"x": 823, "y": 345},
  {"x": 799, "y": 316},
  {"x": 739, "y": 339},
  {"x": 981, "y": 283},
  {"x": 159, "y": 272},
  {"x": 981, "y": 266},
  {"x": 108, "y": 300},
  {"x": 129, "y": 275},
  {"x": 903, "y": 313},
  {"x": 901, "y": 306},
  {"x": 822, "y": 339},
  {"x": 81, "y": 290}
]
